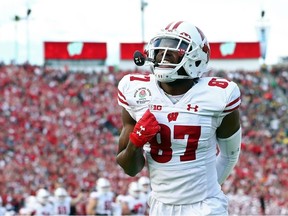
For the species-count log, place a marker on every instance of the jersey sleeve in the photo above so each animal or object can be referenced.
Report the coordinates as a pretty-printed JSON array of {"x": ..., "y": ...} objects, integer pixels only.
[
  {"x": 123, "y": 89},
  {"x": 233, "y": 99},
  {"x": 134, "y": 93}
]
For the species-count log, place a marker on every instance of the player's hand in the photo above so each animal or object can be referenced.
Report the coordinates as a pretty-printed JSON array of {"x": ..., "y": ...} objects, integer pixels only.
[{"x": 145, "y": 129}]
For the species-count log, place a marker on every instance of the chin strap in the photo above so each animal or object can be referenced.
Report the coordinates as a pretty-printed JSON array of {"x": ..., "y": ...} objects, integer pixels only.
[{"x": 228, "y": 156}]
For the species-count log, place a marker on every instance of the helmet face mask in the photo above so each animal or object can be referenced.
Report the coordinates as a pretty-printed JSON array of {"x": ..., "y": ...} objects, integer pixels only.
[{"x": 185, "y": 40}]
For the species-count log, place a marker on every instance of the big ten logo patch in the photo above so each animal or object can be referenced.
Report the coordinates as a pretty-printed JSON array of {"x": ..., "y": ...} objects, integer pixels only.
[{"x": 155, "y": 107}]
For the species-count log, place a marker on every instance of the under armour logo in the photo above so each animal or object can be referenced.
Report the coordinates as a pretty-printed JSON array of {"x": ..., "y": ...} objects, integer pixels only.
[
  {"x": 189, "y": 107},
  {"x": 141, "y": 129}
]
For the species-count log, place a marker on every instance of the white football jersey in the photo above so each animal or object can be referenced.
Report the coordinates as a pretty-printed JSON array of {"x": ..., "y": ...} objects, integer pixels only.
[
  {"x": 41, "y": 210},
  {"x": 62, "y": 207},
  {"x": 182, "y": 156},
  {"x": 137, "y": 206},
  {"x": 104, "y": 202}
]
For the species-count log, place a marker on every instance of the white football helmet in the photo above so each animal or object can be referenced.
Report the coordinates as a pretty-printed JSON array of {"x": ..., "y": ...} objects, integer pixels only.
[
  {"x": 191, "y": 44},
  {"x": 60, "y": 194},
  {"x": 144, "y": 183},
  {"x": 103, "y": 185},
  {"x": 42, "y": 196},
  {"x": 134, "y": 189}
]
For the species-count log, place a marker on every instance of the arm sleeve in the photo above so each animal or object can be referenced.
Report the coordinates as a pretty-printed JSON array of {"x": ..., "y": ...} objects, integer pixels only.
[{"x": 228, "y": 156}]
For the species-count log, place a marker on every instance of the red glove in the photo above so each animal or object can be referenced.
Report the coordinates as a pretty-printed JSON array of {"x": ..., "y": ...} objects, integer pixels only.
[{"x": 145, "y": 129}]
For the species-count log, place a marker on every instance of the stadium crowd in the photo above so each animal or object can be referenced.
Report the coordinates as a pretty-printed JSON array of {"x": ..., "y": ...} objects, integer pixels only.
[{"x": 58, "y": 127}]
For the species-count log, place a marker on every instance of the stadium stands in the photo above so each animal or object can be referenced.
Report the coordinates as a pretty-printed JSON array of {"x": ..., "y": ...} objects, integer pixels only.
[{"x": 60, "y": 127}]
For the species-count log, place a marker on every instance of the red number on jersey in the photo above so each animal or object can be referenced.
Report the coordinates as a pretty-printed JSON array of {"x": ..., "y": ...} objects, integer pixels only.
[
  {"x": 62, "y": 210},
  {"x": 140, "y": 78},
  {"x": 219, "y": 83},
  {"x": 162, "y": 152}
]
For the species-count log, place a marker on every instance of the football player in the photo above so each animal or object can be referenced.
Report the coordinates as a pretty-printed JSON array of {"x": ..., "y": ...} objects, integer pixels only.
[
  {"x": 179, "y": 117},
  {"x": 101, "y": 201},
  {"x": 144, "y": 183},
  {"x": 133, "y": 203},
  {"x": 41, "y": 205},
  {"x": 62, "y": 201}
]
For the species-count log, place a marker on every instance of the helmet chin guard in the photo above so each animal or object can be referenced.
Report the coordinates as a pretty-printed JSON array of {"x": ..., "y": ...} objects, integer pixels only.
[
  {"x": 167, "y": 75},
  {"x": 189, "y": 42}
]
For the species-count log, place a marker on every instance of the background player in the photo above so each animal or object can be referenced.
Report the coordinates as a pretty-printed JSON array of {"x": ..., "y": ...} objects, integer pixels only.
[{"x": 102, "y": 201}]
